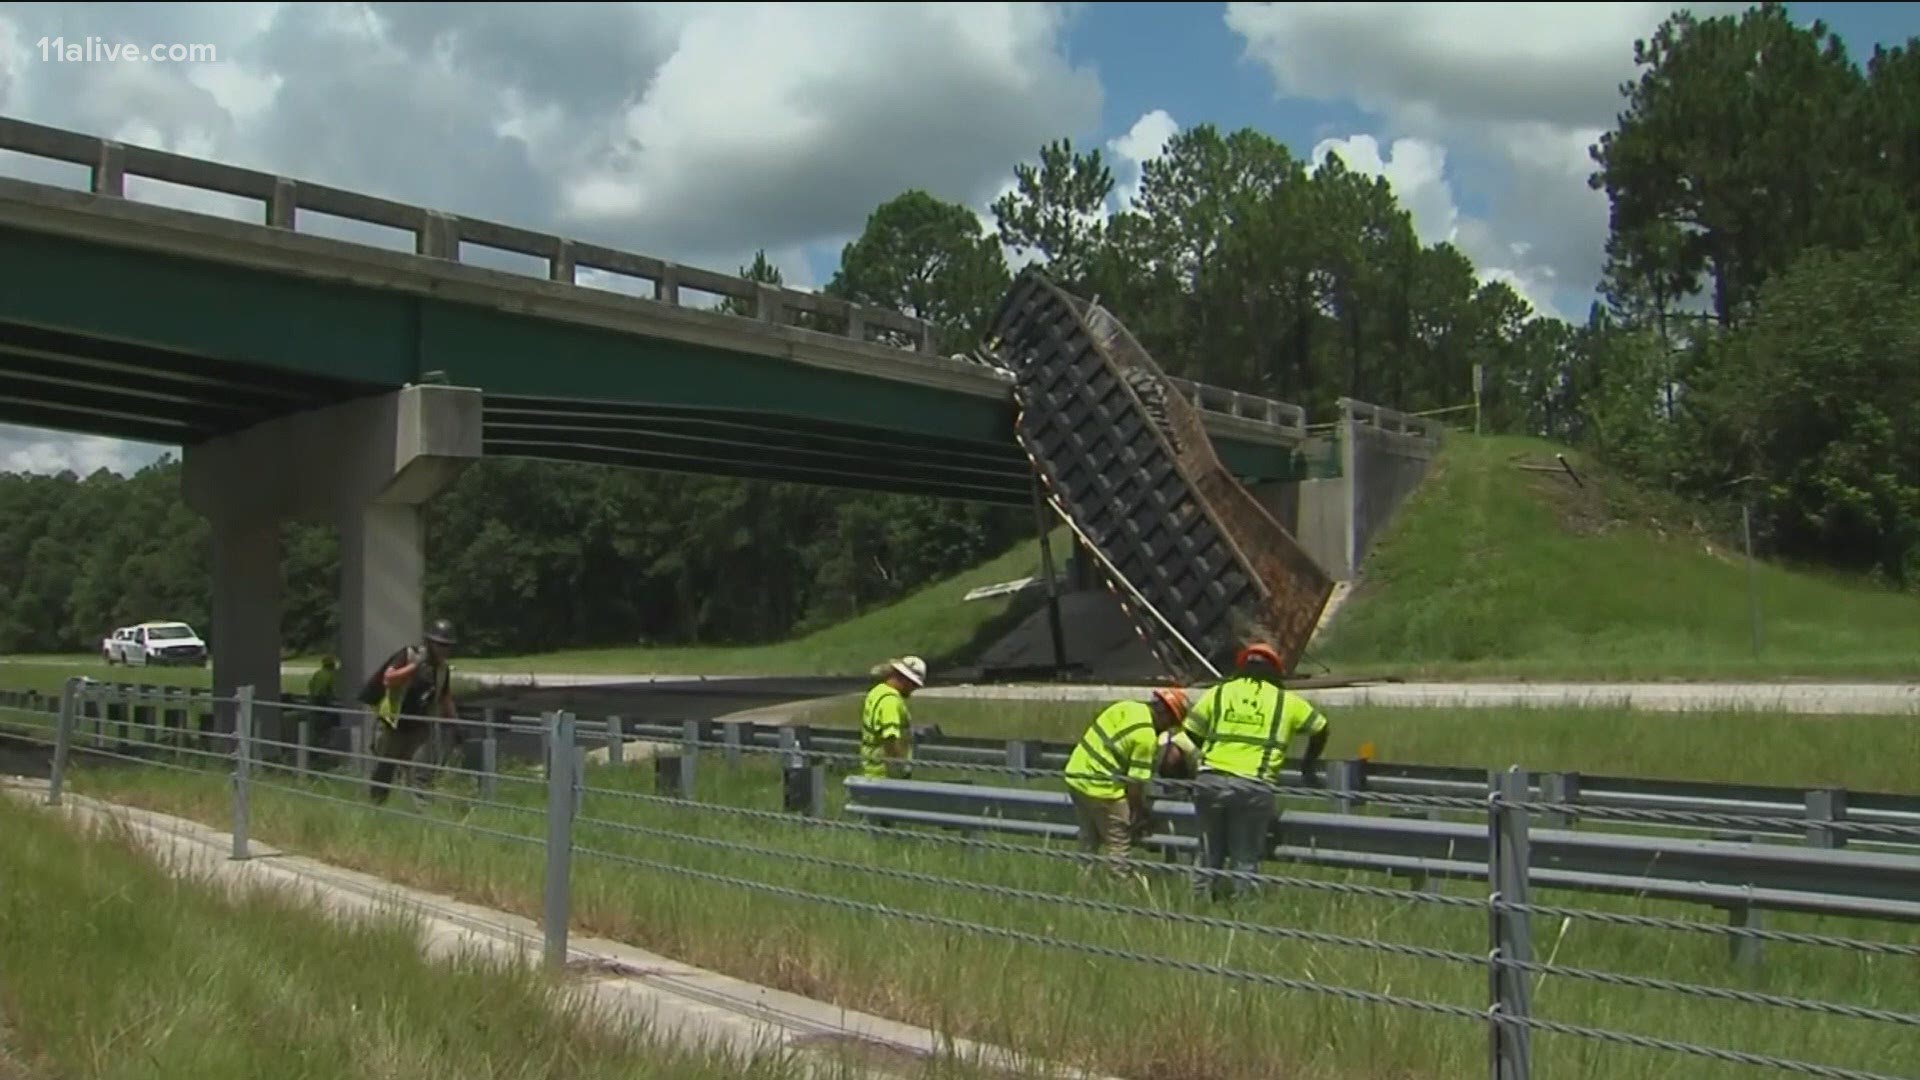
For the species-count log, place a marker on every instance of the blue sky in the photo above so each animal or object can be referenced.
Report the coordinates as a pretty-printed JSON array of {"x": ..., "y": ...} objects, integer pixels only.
[{"x": 702, "y": 132}]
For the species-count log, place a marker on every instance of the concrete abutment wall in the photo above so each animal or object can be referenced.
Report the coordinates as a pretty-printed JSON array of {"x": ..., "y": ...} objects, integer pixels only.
[{"x": 1383, "y": 456}]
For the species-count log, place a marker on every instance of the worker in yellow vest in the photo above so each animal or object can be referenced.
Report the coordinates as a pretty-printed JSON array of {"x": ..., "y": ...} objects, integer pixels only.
[
  {"x": 886, "y": 734},
  {"x": 1107, "y": 772},
  {"x": 1243, "y": 727}
]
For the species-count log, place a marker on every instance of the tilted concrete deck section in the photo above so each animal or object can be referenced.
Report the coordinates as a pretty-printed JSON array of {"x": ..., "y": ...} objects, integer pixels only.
[{"x": 623, "y": 983}]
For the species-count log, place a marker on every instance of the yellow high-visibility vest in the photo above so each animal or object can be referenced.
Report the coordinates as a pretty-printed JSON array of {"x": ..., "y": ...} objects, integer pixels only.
[
  {"x": 1119, "y": 742},
  {"x": 883, "y": 717},
  {"x": 1245, "y": 724}
]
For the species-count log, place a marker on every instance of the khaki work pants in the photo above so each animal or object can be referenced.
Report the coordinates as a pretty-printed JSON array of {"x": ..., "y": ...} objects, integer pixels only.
[
  {"x": 1107, "y": 828},
  {"x": 394, "y": 749}
]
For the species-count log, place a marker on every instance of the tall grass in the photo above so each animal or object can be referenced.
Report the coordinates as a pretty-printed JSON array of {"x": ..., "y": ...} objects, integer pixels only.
[
  {"x": 113, "y": 967},
  {"x": 1490, "y": 570},
  {"x": 1874, "y": 753},
  {"x": 1126, "y": 1017}
]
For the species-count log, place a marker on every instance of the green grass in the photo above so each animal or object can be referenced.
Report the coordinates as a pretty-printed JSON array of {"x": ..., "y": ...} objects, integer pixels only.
[
  {"x": 1492, "y": 571},
  {"x": 1126, "y": 1017},
  {"x": 115, "y": 968},
  {"x": 933, "y": 623}
]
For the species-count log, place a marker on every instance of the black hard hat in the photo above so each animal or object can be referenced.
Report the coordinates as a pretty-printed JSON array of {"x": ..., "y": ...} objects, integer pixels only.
[{"x": 440, "y": 630}]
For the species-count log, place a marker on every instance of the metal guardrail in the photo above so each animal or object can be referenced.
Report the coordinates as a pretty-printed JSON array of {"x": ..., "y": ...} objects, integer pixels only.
[
  {"x": 442, "y": 235},
  {"x": 1819, "y": 817},
  {"x": 1736, "y": 876},
  {"x": 1509, "y": 853}
]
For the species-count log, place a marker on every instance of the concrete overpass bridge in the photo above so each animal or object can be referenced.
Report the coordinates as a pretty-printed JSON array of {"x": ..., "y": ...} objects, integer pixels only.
[{"x": 313, "y": 378}]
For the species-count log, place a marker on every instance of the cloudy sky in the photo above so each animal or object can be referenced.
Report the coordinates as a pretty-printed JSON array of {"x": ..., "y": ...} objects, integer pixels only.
[{"x": 700, "y": 132}]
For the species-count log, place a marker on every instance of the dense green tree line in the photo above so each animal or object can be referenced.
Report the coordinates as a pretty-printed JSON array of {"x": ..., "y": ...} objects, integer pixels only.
[
  {"x": 1759, "y": 340},
  {"x": 1762, "y": 271},
  {"x": 522, "y": 555}
]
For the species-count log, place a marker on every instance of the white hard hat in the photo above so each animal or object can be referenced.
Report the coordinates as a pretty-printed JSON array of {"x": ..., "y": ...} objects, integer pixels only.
[{"x": 912, "y": 668}]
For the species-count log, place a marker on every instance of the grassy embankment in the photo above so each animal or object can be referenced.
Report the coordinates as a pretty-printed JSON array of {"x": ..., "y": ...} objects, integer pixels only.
[
  {"x": 1040, "y": 999},
  {"x": 1492, "y": 571},
  {"x": 113, "y": 967}
]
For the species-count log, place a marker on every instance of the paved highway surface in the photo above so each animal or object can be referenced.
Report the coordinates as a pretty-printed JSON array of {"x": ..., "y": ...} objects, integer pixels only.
[{"x": 663, "y": 697}]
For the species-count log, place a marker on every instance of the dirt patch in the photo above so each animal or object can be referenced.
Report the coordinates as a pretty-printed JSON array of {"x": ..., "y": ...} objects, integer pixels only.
[
  {"x": 11, "y": 1067},
  {"x": 1578, "y": 499}
]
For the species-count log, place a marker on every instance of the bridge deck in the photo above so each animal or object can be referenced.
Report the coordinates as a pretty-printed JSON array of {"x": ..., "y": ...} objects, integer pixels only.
[{"x": 134, "y": 320}]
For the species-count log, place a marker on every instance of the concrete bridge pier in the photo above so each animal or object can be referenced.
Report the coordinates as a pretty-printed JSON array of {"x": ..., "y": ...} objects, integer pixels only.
[{"x": 365, "y": 466}]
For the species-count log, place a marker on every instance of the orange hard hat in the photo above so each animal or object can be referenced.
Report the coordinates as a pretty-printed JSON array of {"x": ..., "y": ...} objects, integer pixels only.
[
  {"x": 1258, "y": 652},
  {"x": 1175, "y": 699}
]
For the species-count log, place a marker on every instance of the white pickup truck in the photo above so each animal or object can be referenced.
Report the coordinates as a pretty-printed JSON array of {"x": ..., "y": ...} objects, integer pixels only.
[{"x": 154, "y": 643}]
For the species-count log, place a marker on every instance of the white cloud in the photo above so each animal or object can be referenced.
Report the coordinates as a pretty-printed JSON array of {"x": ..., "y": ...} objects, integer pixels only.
[
  {"x": 1516, "y": 93},
  {"x": 693, "y": 132},
  {"x": 1145, "y": 141},
  {"x": 1556, "y": 63},
  {"x": 34, "y": 451},
  {"x": 1416, "y": 170},
  {"x": 843, "y": 110}
]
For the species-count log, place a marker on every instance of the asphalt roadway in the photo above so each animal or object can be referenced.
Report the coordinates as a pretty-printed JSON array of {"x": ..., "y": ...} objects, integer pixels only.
[
  {"x": 661, "y": 700},
  {"x": 657, "y": 698}
]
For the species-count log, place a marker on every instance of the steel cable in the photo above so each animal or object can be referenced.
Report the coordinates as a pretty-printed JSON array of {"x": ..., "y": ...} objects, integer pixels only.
[
  {"x": 1012, "y": 893},
  {"x": 1720, "y": 993},
  {"x": 1736, "y": 1057},
  {"x": 1196, "y": 967},
  {"x": 1034, "y": 851}
]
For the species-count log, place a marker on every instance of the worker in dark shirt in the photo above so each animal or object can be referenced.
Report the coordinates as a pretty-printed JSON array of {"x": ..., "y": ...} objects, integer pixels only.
[{"x": 412, "y": 688}]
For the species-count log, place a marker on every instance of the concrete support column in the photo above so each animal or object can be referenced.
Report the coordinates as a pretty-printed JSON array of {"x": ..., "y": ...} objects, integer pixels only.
[
  {"x": 382, "y": 564},
  {"x": 365, "y": 465},
  {"x": 246, "y": 614}
]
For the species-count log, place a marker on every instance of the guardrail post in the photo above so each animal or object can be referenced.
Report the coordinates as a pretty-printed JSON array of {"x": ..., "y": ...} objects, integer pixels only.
[
  {"x": 1742, "y": 950},
  {"x": 1562, "y": 788},
  {"x": 794, "y": 775},
  {"x": 303, "y": 736},
  {"x": 242, "y": 752},
  {"x": 734, "y": 734},
  {"x": 490, "y": 755},
  {"x": 1824, "y": 808},
  {"x": 62, "y": 735},
  {"x": 689, "y": 758},
  {"x": 1343, "y": 780},
  {"x": 1512, "y": 940},
  {"x": 87, "y": 714},
  {"x": 1019, "y": 754},
  {"x": 616, "y": 742},
  {"x": 561, "y": 801},
  {"x": 817, "y": 790}
]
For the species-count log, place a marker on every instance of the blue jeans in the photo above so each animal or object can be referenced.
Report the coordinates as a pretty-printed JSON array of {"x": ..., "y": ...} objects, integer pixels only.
[{"x": 1235, "y": 817}]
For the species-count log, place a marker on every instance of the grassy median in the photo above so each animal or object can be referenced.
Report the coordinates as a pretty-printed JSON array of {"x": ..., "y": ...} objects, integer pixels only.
[
  {"x": 726, "y": 892},
  {"x": 112, "y": 967}
]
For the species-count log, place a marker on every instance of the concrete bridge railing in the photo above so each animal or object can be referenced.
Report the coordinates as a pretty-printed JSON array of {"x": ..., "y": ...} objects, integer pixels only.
[{"x": 443, "y": 236}]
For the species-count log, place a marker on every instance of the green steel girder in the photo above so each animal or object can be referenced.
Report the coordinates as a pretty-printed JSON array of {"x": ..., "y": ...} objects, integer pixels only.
[{"x": 139, "y": 344}]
